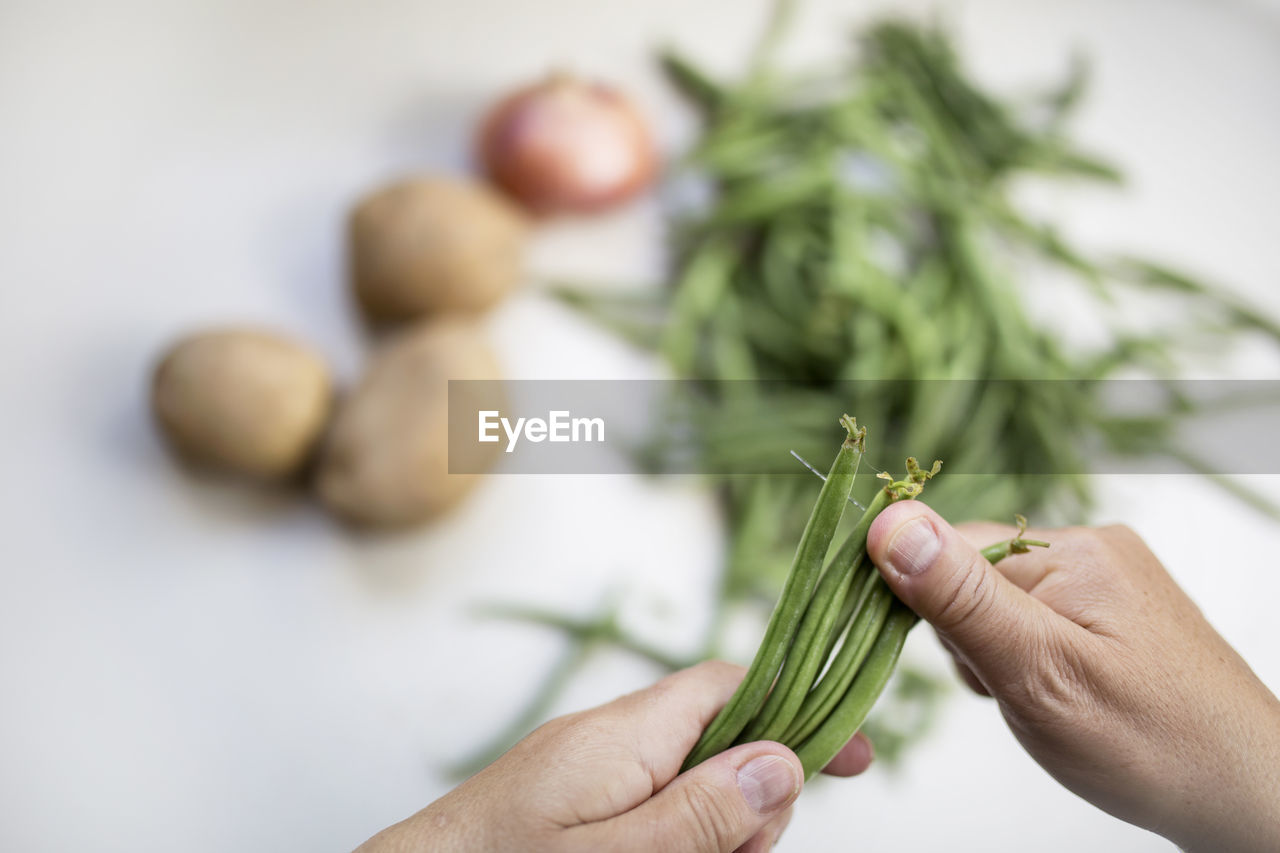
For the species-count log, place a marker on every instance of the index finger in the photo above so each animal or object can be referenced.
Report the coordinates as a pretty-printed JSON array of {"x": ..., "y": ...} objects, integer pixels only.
[
  {"x": 675, "y": 710},
  {"x": 1025, "y": 570}
]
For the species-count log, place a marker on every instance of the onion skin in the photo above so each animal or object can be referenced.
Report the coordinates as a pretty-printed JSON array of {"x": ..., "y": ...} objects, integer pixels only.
[{"x": 565, "y": 145}]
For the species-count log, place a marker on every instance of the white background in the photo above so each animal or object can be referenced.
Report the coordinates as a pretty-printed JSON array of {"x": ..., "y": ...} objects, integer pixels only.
[{"x": 191, "y": 665}]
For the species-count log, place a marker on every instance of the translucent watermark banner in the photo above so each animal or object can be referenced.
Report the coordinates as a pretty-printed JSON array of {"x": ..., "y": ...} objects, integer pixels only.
[{"x": 986, "y": 427}]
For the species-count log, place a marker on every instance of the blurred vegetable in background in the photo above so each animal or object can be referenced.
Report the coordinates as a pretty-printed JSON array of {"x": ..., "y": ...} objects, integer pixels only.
[
  {"x": 436, "y": 250},
  {"x": 386, "y": 461},
  {"x": 246, "y": 401},
  {"x": 566, "y": 145},
  {"x": 428, "y": 245},
  {"x": 860, "y": 224}
]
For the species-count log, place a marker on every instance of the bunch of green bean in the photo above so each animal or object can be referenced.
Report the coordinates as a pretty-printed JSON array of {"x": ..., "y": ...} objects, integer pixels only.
[
  {"x": 856, "y": 245},
  {"x": 836, "y": 633}
]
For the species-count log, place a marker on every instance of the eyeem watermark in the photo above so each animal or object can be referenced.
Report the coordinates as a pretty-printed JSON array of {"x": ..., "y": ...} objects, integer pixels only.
[{"x": 558, "y": 426}]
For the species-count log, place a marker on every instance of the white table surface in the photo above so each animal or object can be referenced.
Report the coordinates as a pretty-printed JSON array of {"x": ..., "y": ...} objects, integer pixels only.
[{"x": 190, "y": 665}]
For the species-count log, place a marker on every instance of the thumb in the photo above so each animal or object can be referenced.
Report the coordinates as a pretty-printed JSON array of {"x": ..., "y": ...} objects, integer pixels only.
[
  {"x": 948, "y": 583},
  {"x": 715, "y": 807}
]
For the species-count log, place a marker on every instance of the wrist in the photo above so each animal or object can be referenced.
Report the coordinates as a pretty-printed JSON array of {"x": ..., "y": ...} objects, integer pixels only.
[{"x": 1238, "y": 807}]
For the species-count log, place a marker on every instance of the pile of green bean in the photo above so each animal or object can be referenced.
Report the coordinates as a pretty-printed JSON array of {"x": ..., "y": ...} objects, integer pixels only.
[
  {"x": 836, "y": 632},
  {"x": 856, "y": 247},
  {"x": 856, "y": 243}
]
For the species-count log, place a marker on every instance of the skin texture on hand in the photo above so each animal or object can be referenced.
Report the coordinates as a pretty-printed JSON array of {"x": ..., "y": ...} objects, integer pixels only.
[
  {"x": 606, "y": 780},
  {"x": 1106, "y": 672}
]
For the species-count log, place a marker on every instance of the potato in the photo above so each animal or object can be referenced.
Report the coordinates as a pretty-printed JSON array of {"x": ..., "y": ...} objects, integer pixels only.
[
  {"x": 427, "y": 245},
  {"x": 386, "y": 461},
  {"x": 242, "y": 400}
]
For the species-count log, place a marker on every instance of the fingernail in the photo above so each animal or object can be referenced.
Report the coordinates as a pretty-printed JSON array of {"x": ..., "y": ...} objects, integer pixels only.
[
  {"x": 914, "y": 547},
  {"x": 768, "y": 783}
]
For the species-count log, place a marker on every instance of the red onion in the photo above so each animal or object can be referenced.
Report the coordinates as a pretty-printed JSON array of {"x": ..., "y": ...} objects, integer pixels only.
[{"x": 566, "y": 145}]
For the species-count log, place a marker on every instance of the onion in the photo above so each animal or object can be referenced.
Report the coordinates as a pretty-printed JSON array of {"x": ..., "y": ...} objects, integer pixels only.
[{"x": 566, "y": 145}]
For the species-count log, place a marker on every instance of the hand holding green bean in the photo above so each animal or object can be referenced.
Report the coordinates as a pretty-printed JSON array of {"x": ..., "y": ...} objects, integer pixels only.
[
  {"x": 1107, "y": 673},
  {"x": 608, "y": 779},
  {"x": 836, "y": 633}
]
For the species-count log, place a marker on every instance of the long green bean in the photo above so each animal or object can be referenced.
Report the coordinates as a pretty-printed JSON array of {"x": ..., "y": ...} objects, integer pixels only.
[
  {"x": 796, "y": 592},
  {"x": 808, "y": 652},
  {"x": 825, "y": 696},
  {"x": 834, "y": 732},
  {"x": 828, "y": 726}
]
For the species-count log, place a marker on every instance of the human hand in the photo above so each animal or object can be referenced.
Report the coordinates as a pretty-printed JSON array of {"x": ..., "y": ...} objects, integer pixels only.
[
  {"x": 606, "y": 779},
  {"x": 1105, "y": 671}
]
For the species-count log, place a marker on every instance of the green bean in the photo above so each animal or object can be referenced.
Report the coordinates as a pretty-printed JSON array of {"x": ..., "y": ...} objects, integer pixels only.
[
  {"x": 864, "y": 583},
  {"x": 702, "y": 286},
  {"x": 830, "y": 737},
  {"x": 828, "y": 726},
  {"x": 796, "y": 592},
  {"x": 809, "y": 650},
  {"x": 826, "y": 695},
  {"x": 693, "y": 83}
]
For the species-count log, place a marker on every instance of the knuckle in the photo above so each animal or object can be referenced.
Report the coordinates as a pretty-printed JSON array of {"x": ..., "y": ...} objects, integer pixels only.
[
  {"x": 712, "y": 665},
  {"x": 1120, "y": 532},
  {"x": 970, "y": 598},
  {"x": 1089, "y": 552},
  {"x": 553, "y": 731},
  {"x": 562, "y": 726},
  {"x": 579, "y": 730},
  {"x": 1053, "y": 687},
  {"x": 711, "y": 822},
  {"x": 706, "y": 672},
  {"x": 717, "y": 670},
  {"x": 1083, "y": 540}
]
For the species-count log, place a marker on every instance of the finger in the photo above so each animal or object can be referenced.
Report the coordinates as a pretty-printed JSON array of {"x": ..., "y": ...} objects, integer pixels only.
[
  {"x": 672, "y": 713},
  {"x": 980, "y": 534},
  {"x": 991, "y": 623},
  {"x": 765, "y": 840},
  {"x": 854, "y": 758},
  {"x": 967, "y": 676},
  {"x": 962, "y": 669},
  {"x": 715, "y": 807},
  {"x": 1025, "y": 570}
]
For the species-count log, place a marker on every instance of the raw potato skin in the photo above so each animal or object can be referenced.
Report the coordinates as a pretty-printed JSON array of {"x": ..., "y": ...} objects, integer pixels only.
[
  {"x": 386, "y": 461},
  {"x": 428, "y": 245},
  {"x": 243, "y": 400}
]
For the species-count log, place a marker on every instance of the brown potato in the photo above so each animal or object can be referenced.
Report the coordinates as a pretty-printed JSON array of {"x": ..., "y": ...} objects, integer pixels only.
[
  {"x": 242, "y": 400},
  {"x": 427, "y": 245},
  {"x": 386, "y": 461}
]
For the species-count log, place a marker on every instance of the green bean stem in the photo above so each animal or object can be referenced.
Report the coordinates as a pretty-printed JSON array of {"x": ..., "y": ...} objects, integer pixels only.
[{"x": 1017, "y": 545}]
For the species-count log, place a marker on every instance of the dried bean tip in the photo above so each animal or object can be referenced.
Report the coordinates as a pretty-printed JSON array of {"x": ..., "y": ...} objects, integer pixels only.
[
  {"x": 1020, "y": 545},
  {"x": 857, "y": 436},
  {"x": 916, "y": 474}
]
